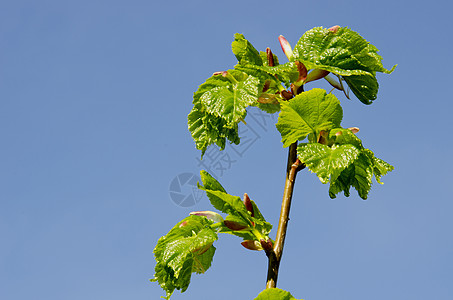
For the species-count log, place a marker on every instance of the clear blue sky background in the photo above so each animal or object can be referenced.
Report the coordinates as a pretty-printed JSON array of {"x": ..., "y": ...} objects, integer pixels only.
[{"x": 93, "y": 103}]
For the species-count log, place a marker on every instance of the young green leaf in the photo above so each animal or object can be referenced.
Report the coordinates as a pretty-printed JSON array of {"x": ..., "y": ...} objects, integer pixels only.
[
  {"x": 187, "y": 248},
  {"x": 327, "y": 162},
  {"x": 210, "y": 183},
  {"x": 275, "y": 294},
  {"x": 308, "y": 113},
  {"x": 207, "y": 129},
  {"x": 343, "y": 52},
  {"x": 245, "y": 52},
  {"x": 222, "y": 201},
  {"x": 285, "y": 73},
  {"x": 344, "y": 162},
  {"x": 342, "y": 136},
  {"x": 357, "y": 175},
  {"x": 380, "y": 167},
  {"x": 248, "y": 227},
  {"x": 230, "y": 99},
  {"x": 219, "y": 105},
  {"x": 364, "y": 87}
]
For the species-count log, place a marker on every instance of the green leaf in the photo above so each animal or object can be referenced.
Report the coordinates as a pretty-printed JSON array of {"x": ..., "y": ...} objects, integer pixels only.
[
  {"x": 380, "y": 167},
  {"x": 308, "y": 113},
  {"x": 275, "y": 294},
  {"x": 359, "y": 175},
  {"x": 227, "y": 203},
  {"x": 186, "y": 248},
  {"x": 364, "y": 87},
  {"x": 210, "y": 183},
  {"x": 233, "y": 206},
  {"x": 268, "y": 100},
  {"x": 344, "y": 52},
  {"x": 342, "y": 136},
  {"x": 286, "y": 73},
  {"x": 207, "y": 129},
  {"x": 245, "y": 52},
  {"x": 257, "y": 73},
  {"x": 219, "y": 105},
  {"x": 327, "y": 162},
  {"x": 230, "y": 100},
  {"x": 270, "y": 108}
]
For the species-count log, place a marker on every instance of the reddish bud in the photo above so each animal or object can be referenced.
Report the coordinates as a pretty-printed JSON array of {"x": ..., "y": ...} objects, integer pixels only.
[
  {"x": 270, "y": 57},
  {"x": 236, "y": 226},
  {"x": 286, "y": 47},
  {"x": 267, "y": 245},
  {"x": 267, "y": 98},
  {"x": 334, "y": 29},
  {"x": 267, "y": 83},
  {"x": 218, "y": 73},
  {"x": 286, "y": 95},
  {"x": 183, "y": 224},
  {"x": 302, "y": 71},
  {"x": 252, "y": 245},
  {"x": 213, "y": 216},
  {"x": 354, "y": 129},
  {"x": 248, "y": 204},
  {"x": 323, "y": 137},
  {"x": 338, "y": 133}
]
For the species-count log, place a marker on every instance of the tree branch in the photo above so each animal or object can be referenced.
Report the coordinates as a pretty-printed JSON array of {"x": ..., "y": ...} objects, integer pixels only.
[{"x": 274, "y": 256}]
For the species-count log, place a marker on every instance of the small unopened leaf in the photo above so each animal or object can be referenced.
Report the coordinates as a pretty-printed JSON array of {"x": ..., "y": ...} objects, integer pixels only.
[{"x": 245, "y": 52}]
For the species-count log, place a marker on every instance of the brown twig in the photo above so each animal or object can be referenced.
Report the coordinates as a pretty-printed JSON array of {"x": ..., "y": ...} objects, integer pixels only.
[{"x": 274, "y": 256}]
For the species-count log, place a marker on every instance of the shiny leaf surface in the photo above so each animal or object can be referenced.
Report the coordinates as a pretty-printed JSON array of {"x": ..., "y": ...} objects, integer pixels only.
[{"x": 308, "y": 113}]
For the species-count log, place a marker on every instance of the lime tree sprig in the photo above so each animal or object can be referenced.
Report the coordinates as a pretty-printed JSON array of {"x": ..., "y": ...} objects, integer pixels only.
[
  {"x": 188, "y": 247},
  {"x": 310, "y": 125}
]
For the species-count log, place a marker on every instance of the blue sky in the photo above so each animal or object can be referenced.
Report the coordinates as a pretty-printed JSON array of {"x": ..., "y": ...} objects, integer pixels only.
[{"x": 94, "y": 97}]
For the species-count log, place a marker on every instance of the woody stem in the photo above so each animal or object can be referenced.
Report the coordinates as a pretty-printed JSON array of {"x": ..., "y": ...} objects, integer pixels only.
[{"x": 274, "y": 256}]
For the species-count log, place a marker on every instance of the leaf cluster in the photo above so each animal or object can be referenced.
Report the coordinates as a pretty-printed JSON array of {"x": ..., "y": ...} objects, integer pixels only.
[
  {"x": 335, "y": 154},
  {"x": 188, "y": 247},
  {"x": 242, "y": 220},
  {"x": 259, "y": 80},
  {"x": 314, "y": 117}
]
